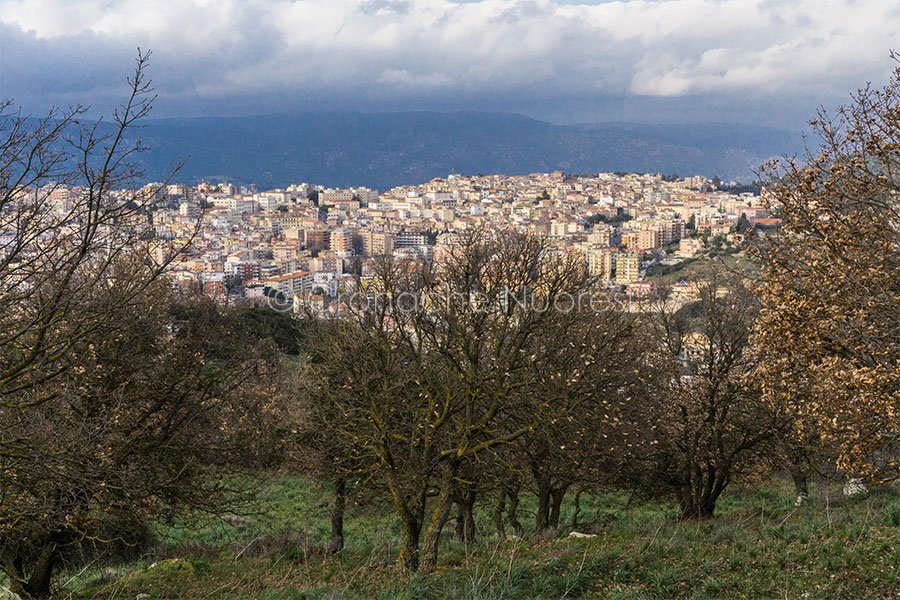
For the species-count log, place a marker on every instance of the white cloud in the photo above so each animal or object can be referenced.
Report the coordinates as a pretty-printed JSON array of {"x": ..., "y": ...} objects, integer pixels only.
[{"x": 398, "y": 47}]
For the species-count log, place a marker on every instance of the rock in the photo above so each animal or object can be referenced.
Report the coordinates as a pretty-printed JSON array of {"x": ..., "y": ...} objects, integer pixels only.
[
  {"x": 142, "y": 597},
  {"x": 237, "y": 521},
  {"x": 801, "y": 498},
  {"x": 855, "y": 487},
  {"x": 578, "y": 534},
  {"x": 108, "y": 576},
  {"x": 5, "y": 594}
]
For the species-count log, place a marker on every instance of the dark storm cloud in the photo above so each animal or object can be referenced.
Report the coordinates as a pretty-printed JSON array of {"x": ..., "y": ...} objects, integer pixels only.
[{"x": 537, "y": 56}]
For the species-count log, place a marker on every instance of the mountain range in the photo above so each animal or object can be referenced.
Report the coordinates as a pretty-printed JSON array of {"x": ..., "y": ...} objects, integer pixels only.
[{"x": 382, "y": 150}]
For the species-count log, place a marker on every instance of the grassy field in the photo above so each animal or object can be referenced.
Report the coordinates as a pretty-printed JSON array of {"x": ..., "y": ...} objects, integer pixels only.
[
  {"x": 688, "y": 269},
  {"x": 760, "y": 546}
]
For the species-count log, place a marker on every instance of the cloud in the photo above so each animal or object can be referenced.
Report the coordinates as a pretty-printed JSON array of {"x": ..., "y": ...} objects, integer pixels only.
[
  {"x": 407, "y": 80},
  {"x": 392, "y": 49}
]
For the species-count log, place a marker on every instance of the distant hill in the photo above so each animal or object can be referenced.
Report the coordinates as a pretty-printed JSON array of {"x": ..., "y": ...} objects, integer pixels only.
[{"x": 382, "y": 150}]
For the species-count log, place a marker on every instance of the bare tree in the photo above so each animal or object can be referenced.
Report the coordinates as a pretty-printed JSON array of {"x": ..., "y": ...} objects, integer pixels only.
[
  {"x": 323, "y": 406},
  {"x": 707, "y": 426},
  {"x": 443, "y": 353},
  {"x": 352, "y": 422},
  {"x": 68, "y": 212},
  {"x": 584, "y": 387},
  {"x": 114, "y": 398},
  {"x": 129, "y": 429}
]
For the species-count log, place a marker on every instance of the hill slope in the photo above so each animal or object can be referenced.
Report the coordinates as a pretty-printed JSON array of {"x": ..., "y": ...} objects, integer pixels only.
[
  {"x": 382, "y": 150},
  {"x": 760, "y": 546}
]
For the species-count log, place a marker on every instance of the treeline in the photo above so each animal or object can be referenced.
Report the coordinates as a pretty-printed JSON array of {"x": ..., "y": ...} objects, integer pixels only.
[
  {"x": 496, "y": 370},
  {"x": 437, "y": 390}
]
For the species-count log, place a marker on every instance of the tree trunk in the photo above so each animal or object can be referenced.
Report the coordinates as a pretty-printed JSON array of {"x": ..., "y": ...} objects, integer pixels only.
[
  {"x": 39, "y": 583},
  {"x": 467, "y": 512},
  {"x": 542, "y": 518},
  {"x": 336, "y": 543},
  {"x": 693, "y": 511},
  {"x": 512, "y": 512},
  {"x": 409, "y": 554},
  {"x": 12, "y": 567},
  {"x": 17, "y": 587},
  {"x": 556, "y": 499},
  {"x": 432, "y": 541},
  {"x": 499, "y": 508},
  {"x": 698, "y": 499},
  {"x": 411, "y": 511},
  {"x": 577, "y": 511},
  {"x": 801, "y": 484}
]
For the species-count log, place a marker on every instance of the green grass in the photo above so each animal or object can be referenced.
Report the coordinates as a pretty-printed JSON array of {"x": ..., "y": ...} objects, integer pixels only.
[
  {"x": 759, "y": 546},
  {"x": 692, "y": 268}
]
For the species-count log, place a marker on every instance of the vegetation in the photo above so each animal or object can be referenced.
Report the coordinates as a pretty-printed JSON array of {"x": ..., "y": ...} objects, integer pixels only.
[
  {"x": 711, "y": 428},
  {"x": 754, "y": 187},
  {"x": 116, "y": 397},
  {"x": 662, "y": 270},
  {"x": 830, "y": 325},
  {"x": 759, "y": 546},
  {"x": 492, "y": 389},
  {"x": 441, "y": 364},
  {"x": 621, "y": 217}
]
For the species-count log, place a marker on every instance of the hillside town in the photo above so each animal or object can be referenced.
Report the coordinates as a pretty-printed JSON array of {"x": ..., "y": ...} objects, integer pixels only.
[{"x": 307, "y": 243}]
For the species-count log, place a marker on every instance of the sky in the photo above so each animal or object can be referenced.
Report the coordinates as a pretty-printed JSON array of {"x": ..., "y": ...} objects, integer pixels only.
[{"x": 771, "y": 62}]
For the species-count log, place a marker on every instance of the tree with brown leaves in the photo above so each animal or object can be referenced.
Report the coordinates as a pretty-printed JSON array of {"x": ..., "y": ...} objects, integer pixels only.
[{"x": 829, "y": 330}]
